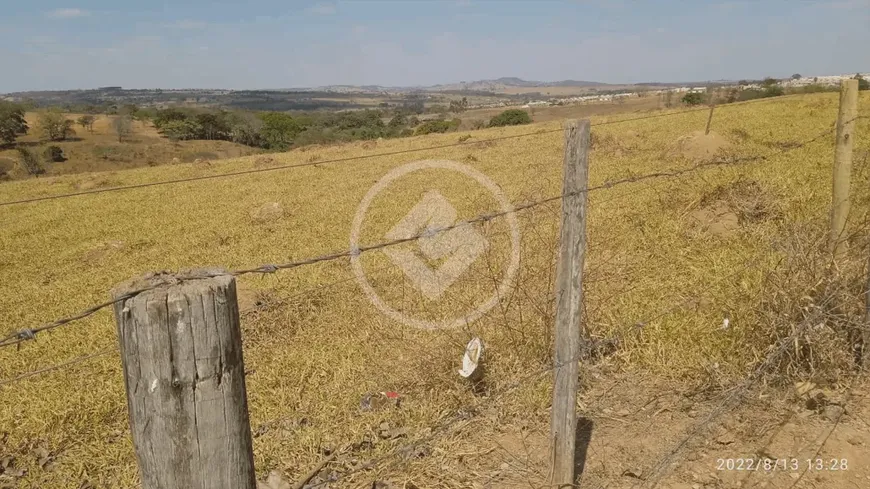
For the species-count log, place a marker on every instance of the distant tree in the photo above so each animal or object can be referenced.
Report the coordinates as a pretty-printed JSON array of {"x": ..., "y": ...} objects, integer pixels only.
[
  {"x": 773, "y": 91},
  {"x": 87, "y": 122},
  {"x": 398, "y": 120},
  {"x": 732, "y": 95},
  {"x": 54, "y": 154},
  {"x": 131, "y": 110},
  {"x": 122, "y": 126},
  {"x": 862, "y": 83},
  {"x": 414, "y": 105},
  {"x": 244, "y": 128},
  {"x": 796, "y": 76},
  {"x": 12, "y": 122},
  {"x": 436, "y": 126},
  {"x": 768, "y": 82},
  {"x": 167, "y": 115},
  {"x": 279, "y": 130},
  {"x": 30, "y": 161},
  {"x": 213, "y": 126},
  {"x": 54, "y": 125},
  {"x": 511, "y": 117},
  {"x": 816, "y": 88},
  {"x": 180, "y": 130},
  {"x": 459, "y": 106},
  {"x": 693, "y": 98}
]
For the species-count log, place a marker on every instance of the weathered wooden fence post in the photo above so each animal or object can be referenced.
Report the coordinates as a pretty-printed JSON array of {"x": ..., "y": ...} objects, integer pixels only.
[
  {"x": 843, "y": 165},
  {"x": 569, "y": 299},
  {"x": 183, "y": 369}
]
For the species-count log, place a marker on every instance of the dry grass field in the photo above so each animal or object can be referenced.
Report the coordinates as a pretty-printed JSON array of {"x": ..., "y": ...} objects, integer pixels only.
[
  {"x": 677, "y": 255},
  {"x": 100, "y": 150}
]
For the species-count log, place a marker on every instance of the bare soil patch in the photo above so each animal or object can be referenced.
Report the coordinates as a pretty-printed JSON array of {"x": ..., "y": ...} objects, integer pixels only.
[{"x": 698, "y": 146}]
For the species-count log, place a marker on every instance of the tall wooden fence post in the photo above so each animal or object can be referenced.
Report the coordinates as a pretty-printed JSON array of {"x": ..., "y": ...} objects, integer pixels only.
[
  {"x": 569, "y": 299},
  {"x": 843, "y": 165},
  {"x": 185, "y": 379}
]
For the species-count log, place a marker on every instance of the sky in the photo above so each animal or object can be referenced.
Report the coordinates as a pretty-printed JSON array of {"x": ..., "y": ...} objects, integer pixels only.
[{"x": 80, "y": 44}]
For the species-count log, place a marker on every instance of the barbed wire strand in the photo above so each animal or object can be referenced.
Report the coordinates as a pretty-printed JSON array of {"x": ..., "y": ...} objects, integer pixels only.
[
  {"x": 105, "y": 351},
  {"x": 29, "y": 334},
  {"x": 273, "y": 168},
  {"x": 59, "y": 366}
]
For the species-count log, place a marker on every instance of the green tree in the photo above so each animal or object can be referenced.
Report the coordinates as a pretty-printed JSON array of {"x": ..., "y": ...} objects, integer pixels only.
[
  {"x": 54, "y": 125},
  {"x": 122, "y": 126},
  {"x": 796, "y": 76},
  {"x": 54, "y": 154},
  {"x": 213, "y": 126},
  {"x": 773, "y": 91},
  {"x": 180, "y": 130},
  {"x": 767, "y": 82},
  {"x": 862, "y": 83},
  {"x": 436, "y": 126},
  {"x": 398, "y": 120},
  {"x": 511, "y": 117},
  {"x": 693, "y": 98},
  {"x": 87, "y": 122},
  {"x": 12, "y": 122},
  {"x": 244, "y": 128},
  {"x": 279, "y": 130},
  {"x": 168, "y": 115}
]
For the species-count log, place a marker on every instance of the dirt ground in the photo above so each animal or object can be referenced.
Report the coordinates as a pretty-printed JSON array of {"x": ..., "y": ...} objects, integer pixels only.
[
  {"x": 634, "y": 432},
  {"x": 638, "y": 432}
]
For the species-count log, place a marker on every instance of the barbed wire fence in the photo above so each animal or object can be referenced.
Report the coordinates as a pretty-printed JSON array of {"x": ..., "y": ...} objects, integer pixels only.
[{"x": 466, "y": 412}]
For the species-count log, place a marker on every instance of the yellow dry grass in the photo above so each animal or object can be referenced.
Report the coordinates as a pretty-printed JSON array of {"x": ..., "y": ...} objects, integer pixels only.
[{"x": 312, "y": 357}]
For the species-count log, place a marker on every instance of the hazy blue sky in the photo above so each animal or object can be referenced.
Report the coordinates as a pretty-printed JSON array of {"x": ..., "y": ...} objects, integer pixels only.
[{"x": 280, "y": 43}]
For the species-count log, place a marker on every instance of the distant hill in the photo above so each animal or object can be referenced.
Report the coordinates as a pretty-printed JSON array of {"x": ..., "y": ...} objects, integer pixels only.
[
  {"x": 508, "y": 82},
  {"x": 472, "y": 86}
]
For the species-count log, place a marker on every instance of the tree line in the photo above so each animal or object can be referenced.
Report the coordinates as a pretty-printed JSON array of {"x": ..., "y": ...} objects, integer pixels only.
[{"x": 277, "y": 131}]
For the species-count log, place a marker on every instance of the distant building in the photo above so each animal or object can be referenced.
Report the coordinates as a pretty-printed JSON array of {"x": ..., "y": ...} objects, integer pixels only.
[{"x": 827, "y": 80}]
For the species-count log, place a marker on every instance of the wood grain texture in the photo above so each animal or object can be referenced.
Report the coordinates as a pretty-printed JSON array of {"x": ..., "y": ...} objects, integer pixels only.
[
  {"x": 184, "y": 376},
  {"x": 569, "y": 301},
  {"x": 840, "y": 204}
]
